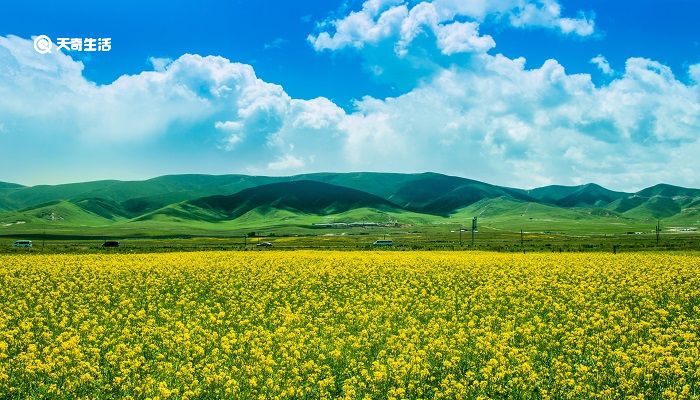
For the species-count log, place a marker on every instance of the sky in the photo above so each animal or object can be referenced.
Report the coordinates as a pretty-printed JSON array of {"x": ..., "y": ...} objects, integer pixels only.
[{"x": 522, "y": 93}]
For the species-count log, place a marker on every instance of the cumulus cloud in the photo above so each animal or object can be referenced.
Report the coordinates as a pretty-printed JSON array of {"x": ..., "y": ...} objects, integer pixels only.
[
  {"x": 159, "y": 63},
  {"x": 286, "y": 163},
  {"x": 369, "y": 25},
  {"x": 494, "y": 120},
  {"x": 694, "y": 72},
  {"x": 602, "y": 64},
  {"x": 537, "y": 125},
  {"x": 190, "y": 89},
  {"x": 547, "y": 14},
  {"x": 377, "y": 21}
]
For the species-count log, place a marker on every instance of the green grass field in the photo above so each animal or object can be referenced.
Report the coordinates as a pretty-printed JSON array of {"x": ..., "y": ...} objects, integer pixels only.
[{"x": 417, "y": 211}]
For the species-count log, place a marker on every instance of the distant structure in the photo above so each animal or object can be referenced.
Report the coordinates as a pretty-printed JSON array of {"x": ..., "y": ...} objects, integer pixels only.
[
  {"x": 22, "y": 244},
  {"x": 110, "y": 243},
  {"x": 383, "y": 243}
]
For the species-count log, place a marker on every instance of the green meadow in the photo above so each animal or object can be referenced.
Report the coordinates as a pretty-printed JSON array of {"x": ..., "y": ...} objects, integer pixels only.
[{"x": 346, "y": 211}]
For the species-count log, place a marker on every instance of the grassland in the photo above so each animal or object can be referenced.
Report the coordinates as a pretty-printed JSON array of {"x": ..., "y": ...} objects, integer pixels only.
[
  {"x": 542, "y": 231},
  {"x": 351, "y": 325},
  {"x": 418, "y": 211}
]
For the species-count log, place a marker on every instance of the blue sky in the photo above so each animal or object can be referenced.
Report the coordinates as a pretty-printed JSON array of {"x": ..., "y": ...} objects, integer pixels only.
[{"x": 460, "y": 87}]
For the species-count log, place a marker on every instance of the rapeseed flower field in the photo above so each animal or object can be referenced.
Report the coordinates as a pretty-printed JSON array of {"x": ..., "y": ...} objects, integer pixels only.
[{"x": 351, "y": 325}]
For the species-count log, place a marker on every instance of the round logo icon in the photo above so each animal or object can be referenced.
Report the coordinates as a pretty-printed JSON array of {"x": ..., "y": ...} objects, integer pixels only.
[{"x": 42, "y": 44}]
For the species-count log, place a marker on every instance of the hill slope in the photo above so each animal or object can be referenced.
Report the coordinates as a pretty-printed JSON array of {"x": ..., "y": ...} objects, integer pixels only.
[
  {"x": 588, "y": 195},
  {"x": 55, "y": 214},
  {"x": 659, "y": 201},
  {"x": 8, "y": 185},
  {"x": 304, "y": 196},
  {"x": 301, "y": 199},
  {"x": 427, "y": 193},
  {"x": 137, "y": 196}
]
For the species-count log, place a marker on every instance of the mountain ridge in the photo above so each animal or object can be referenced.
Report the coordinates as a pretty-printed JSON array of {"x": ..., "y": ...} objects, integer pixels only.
[
  {"x": 424, "y": 196},
  {"x": 304, "y": 196}
]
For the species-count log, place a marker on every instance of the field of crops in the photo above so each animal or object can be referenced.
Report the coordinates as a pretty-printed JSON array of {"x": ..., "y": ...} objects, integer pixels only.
[{"x": 350, "y": 325}]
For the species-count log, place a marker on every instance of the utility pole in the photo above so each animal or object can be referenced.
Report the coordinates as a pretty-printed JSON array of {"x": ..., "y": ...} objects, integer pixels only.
[
  {"x": 460, "y": 234},
  {"x": 245, "y": 241},
  {"x": 521, "y": 241},
  {"x": 658, "y": 231},
  {"x": 473, "y": 229}
]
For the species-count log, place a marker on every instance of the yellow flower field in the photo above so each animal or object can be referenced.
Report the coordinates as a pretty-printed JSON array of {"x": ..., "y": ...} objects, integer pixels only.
[{"x": 352, "y": 325}]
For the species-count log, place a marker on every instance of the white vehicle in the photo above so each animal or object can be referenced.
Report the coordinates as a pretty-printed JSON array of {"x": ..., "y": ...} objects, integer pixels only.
[
  {"x": 264, "y": 244},
  {"x": 22, "y": 244}
]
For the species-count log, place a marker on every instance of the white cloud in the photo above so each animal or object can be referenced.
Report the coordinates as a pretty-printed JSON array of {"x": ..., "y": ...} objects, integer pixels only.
[
  {"x": 602, "y": 64},
  {"x": 547, "y": 14},
  {"x": 583, "y": 26},
  {"x": 316, "y": 114},
  {"x": 234, "y": 131},
  {"x": 285, "y": 163},
  {"x": 189, "y": 90},
  {"x": 694, "y": 72},
  {"x": 160, "y": 63},
  {"x": 534, "y": 125},
  {"x": 365, "y": 26},
  {"x": 462, "y": 37},
  {"x": 393, "y": 20},
  {"x": 493, "y": 120}
]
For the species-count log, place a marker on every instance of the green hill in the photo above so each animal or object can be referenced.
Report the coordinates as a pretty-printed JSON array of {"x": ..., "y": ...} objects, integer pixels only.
[
  {"x": 666, "y": 190},
  {"x": 8, "y": 185},
  {"x": 427, "y": 193},
  {"x": 659, "y": 201},
  {"x": 588, "y": 195},
  {"x": 552, "y": 193},
  {"x": 55, "y": 214},
  {"x": 32, "y": 196},
  {"x": 5, "y": 205},
  {"x": 104, "y": 208},
  {"x": 655, "y": 207},
  {"x": 305, "y": 196},
  {"x": 380, "y": 184},
  {"x": 138, "y": 196},
  {"x": 5, "y": 189},
  {"x": 197, "y": 204}
]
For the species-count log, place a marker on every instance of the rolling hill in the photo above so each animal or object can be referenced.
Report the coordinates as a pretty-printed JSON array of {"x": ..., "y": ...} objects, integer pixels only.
[
  {"x": 5, "y": 188},
  {"x": 588, "y": 195},
  {"x": 8, "y": 185},
  {"x": 665, "y": 190},
  {"x": 659, "y": 201},
  {"x": 202, "y": 203},
  {"x": 427, "y": 193},
  {"x": 304, "y": 196},
  {"x": 138, "y": 196},
  {"x": 56, "y": 214}
]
